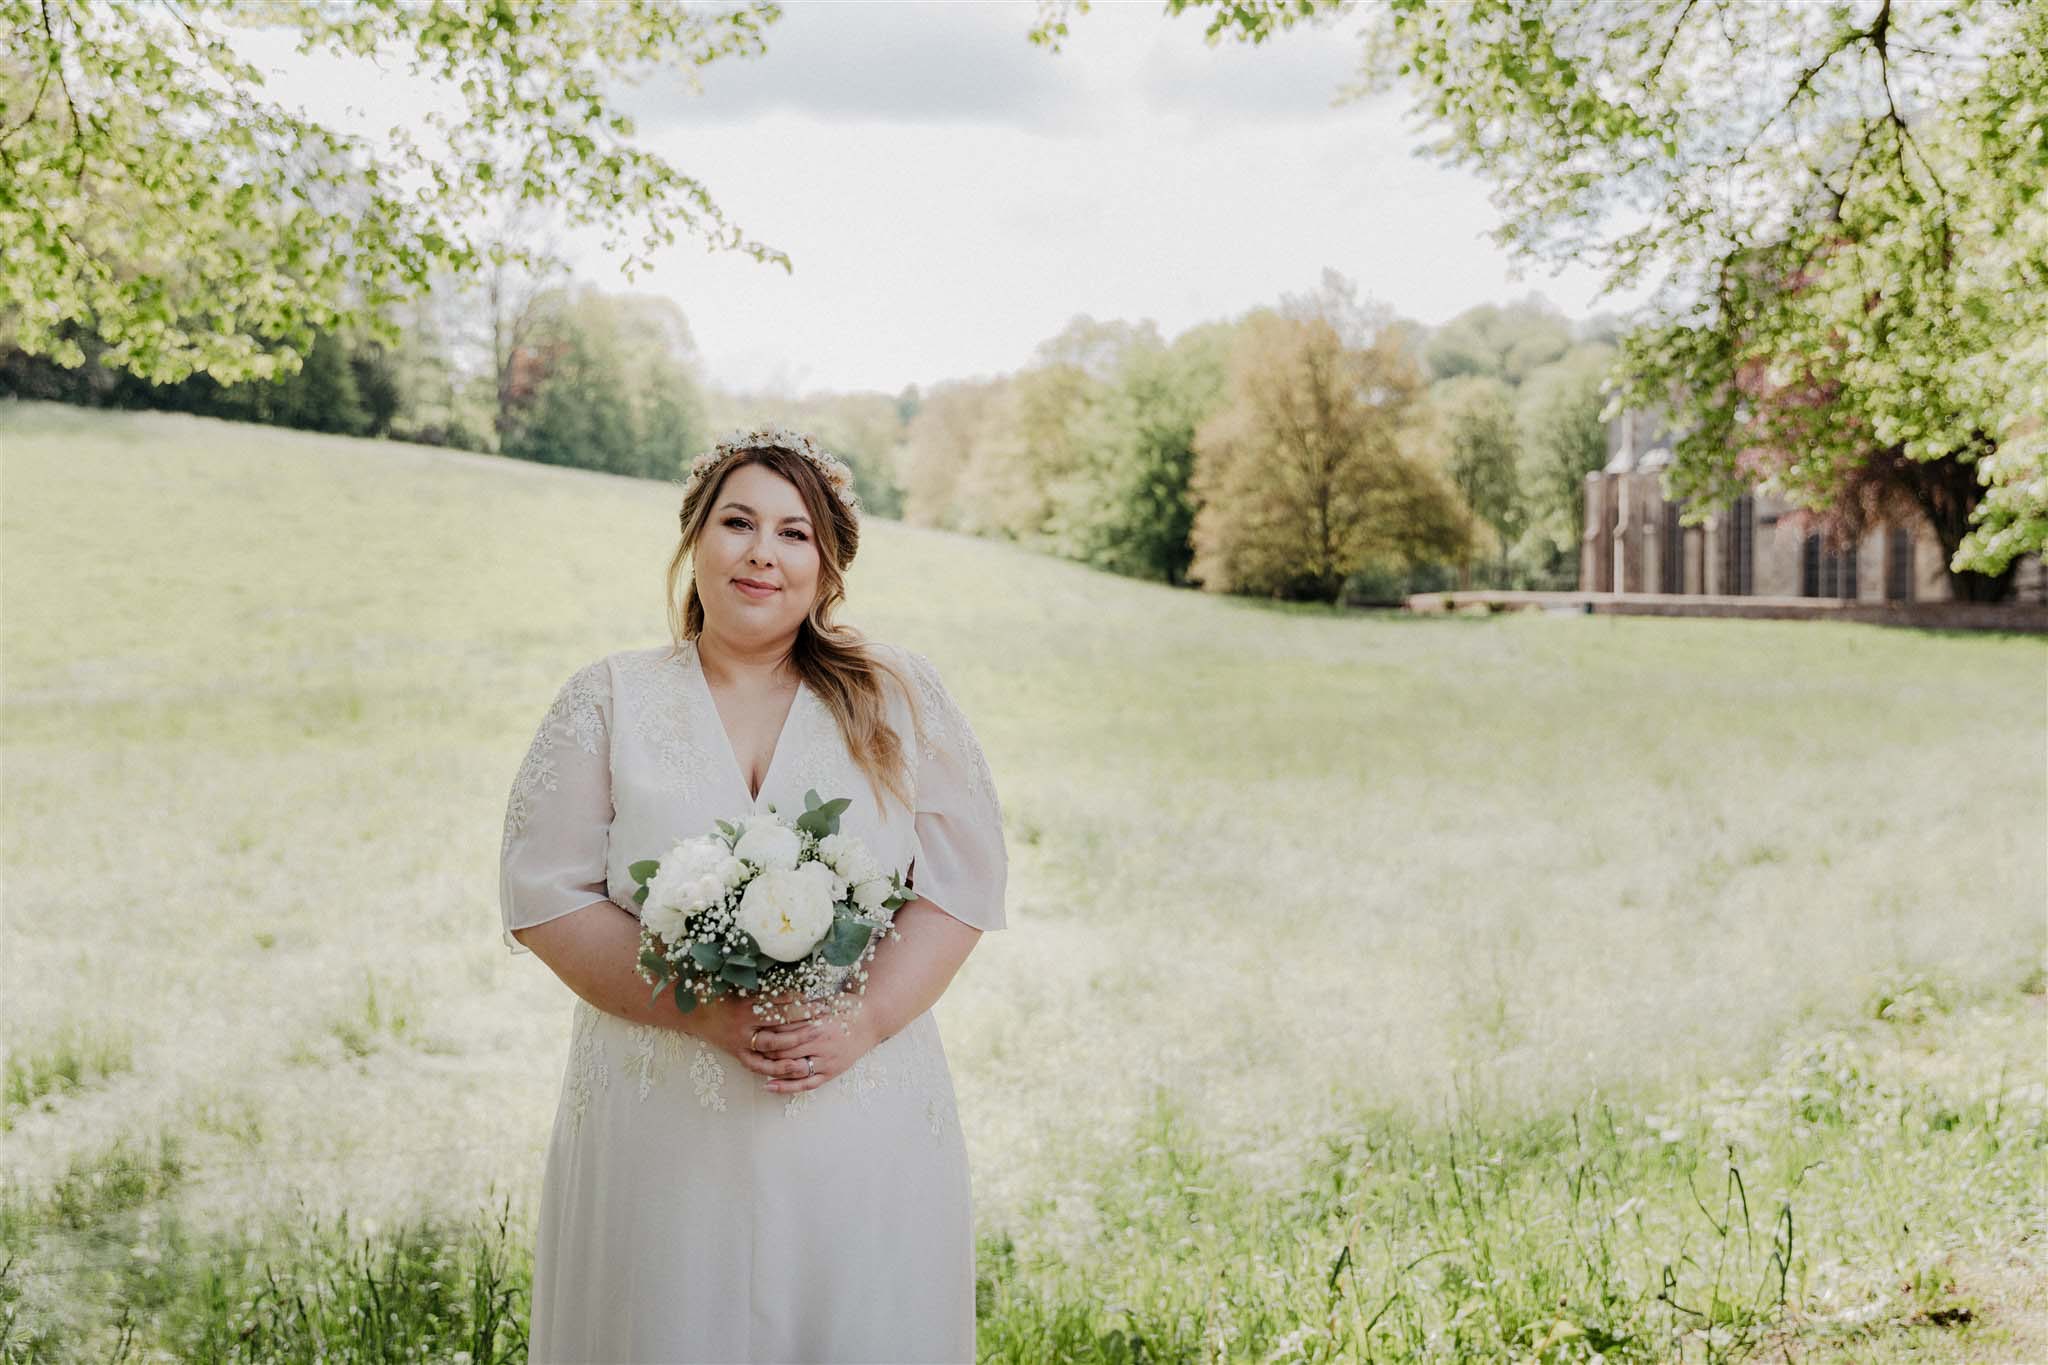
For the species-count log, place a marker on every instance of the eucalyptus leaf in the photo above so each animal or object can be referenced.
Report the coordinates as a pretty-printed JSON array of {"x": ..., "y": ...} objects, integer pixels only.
[{"x": 843, "y": 946}]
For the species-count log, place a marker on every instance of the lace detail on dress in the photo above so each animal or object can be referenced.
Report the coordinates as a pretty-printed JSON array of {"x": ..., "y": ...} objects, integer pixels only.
[
  {"x": 645, "y": 1038},
  {"x": 945, "y": 724},
  {"x": 867, "y": 1077},
  {"x": 588, "y": 1070},
  {"x": 666, "y": 719},
  {"x": 918, "y": 1067},
  {"x": 930, "y": 1081},
  {"x": 820, "y": 756},
  {"x": 709, "y": 1075},
  {"x": 576, "y": 715}
]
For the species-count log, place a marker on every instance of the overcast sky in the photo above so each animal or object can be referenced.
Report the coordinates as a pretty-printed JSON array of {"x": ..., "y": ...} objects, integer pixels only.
[{"x": 951, "y": 195}]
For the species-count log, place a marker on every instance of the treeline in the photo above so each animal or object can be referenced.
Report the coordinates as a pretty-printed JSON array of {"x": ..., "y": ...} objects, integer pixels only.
[
  {"x": 532, "y": 366},
  {"x": 1320, "y": 449},
  {"x": 558, "y": 374}
]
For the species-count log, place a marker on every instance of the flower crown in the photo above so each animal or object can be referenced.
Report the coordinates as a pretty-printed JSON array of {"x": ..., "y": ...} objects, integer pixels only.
[{"x": 837, "y": 476}]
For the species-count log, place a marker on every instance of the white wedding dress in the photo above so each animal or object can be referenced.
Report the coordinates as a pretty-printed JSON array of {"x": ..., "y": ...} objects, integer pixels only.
[{"x": 688, "y": 1214}]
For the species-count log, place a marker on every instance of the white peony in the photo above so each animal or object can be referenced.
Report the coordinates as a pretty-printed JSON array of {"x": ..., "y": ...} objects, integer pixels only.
[
  {"x": 787, "y": 911},
  {"x": 870, "y": 894},
  {"x": 769, "y": 844}
]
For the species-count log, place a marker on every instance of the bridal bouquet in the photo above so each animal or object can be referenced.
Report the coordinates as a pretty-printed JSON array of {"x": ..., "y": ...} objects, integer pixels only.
[{"x": 766, "y": 906}]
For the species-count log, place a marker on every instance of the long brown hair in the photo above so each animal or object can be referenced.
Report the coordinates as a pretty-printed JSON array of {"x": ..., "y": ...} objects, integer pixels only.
[{"x": 837, "y": 662}]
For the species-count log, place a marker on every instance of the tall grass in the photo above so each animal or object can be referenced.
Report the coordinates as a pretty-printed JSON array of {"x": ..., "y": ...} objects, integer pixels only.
[{"x": 1300, "y": 901}]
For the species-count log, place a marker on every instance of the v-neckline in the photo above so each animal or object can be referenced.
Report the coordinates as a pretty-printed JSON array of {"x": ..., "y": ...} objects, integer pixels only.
[{"x": 732, "y": 754}]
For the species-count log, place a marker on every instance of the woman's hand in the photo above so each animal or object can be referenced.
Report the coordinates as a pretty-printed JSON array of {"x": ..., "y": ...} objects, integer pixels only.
[
  {"x": 831, "y": 1042},
  {"x": 729, "y": 1023}
]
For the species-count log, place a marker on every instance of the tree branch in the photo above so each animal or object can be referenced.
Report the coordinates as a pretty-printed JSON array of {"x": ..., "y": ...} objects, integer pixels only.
[{"x": 1669, "y": 42}]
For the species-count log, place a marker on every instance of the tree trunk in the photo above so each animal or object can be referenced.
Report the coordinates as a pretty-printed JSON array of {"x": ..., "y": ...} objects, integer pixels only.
[{"x": 1946, "y": 491}]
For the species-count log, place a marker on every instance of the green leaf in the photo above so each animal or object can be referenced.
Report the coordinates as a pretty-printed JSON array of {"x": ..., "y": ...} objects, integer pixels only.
[
  {"x": 644, "y": 870},
  {"x": 686, "y": 999},
  {"x": 822, "y": 820},
  {"x": 707, "y": 956},
  {"x": 847, "y": 940}
]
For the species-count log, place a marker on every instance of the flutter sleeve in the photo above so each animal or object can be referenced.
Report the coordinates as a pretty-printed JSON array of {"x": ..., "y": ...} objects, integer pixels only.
[
  {"x": 558, "y": 818},
  {"x": 958, "y": 861}
]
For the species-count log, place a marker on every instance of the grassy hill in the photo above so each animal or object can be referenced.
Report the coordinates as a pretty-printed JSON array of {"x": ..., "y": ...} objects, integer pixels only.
[{"x": 1292, "y": 890}]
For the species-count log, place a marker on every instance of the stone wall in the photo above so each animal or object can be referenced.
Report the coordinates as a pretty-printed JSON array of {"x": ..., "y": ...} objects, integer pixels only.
[{"x": 1628, "y": 537}]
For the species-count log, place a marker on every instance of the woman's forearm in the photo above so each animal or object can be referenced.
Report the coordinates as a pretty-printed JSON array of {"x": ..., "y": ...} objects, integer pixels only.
[
  {"x": 912, "y": 970},
  {"x": 595, "y": 950}
]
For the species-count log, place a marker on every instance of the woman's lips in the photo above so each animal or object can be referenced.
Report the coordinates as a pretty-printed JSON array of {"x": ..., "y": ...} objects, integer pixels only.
[{"x": 752, "y": 591}]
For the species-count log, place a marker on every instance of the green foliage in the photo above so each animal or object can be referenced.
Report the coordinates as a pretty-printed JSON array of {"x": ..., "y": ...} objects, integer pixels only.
[
  {"x": 1303, "y": 476},
  {"x": 1563, "y": 438},
  {"x": 1506, "y": 343},
  {"x": 153, "y": 192},
  {"x": 1481, "y": 450},
  {"x": 820, "y": 819},
  {"x": 1132, "y": 508},
  {"x": 1841, "y": 205},
  {"x": 606, "y": 382}
]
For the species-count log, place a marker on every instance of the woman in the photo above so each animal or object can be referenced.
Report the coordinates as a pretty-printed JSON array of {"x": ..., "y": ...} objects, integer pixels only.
[{"x": 718, "y": 1189}]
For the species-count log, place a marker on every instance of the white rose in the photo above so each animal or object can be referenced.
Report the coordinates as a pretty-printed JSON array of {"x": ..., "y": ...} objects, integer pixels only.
[
  {"x": 870, "y": 894},
  {"x": 731, "y": 871},
  {"x": 769, "y": 844},
  {"x": 787, "y": 913}
]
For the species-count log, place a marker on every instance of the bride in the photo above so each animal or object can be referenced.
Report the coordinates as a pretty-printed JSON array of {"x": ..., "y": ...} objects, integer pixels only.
[{"x": 718, "y": 1188}]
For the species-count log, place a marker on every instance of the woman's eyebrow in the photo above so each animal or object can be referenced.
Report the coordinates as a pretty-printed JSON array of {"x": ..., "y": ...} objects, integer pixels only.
[{"x": 750, "y": 512}]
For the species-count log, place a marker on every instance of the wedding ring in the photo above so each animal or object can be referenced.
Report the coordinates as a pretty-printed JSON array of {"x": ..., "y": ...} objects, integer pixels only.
[
  {"x": 814, "y": 1067},
  {"x": 753, "y": 1039}
]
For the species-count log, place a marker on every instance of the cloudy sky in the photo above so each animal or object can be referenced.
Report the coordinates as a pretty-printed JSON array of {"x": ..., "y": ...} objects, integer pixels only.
[{"x": 951, "y": 195}]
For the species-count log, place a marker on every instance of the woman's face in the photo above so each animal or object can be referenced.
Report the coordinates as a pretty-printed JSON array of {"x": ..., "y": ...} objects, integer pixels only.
[{"x": 758, "y": 533}]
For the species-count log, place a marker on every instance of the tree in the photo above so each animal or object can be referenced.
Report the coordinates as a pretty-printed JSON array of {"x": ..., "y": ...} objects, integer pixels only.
[
  {"x": 155, "y": 196},
  {"x": 952, "y": 419},
  {"x": 1842, "y": 204},
  {"x": 1300, "y": 476},
  {"x": 1563, "y": 438},
  {"x": 1482, "y": 450},
  {"x": 1130, "y": 508},
  {"x": 1506, "y": 343},
  {"x": 608, "y": 385}
]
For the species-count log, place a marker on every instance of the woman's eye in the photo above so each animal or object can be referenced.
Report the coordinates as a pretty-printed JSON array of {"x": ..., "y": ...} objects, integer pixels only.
[
  {"x": 736, "y": 521},
  {"x": 798, "y": 534}
]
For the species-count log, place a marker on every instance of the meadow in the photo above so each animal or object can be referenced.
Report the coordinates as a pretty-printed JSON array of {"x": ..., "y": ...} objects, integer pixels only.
[{"x": 1532, "y": 987}]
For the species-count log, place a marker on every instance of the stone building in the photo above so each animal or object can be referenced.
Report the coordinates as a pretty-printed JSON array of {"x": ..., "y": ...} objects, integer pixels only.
[{"x": 1633, "y": 542}]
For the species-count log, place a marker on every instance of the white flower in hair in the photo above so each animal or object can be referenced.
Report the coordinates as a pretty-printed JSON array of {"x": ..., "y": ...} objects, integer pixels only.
[{"x": 838, "y": 477}]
